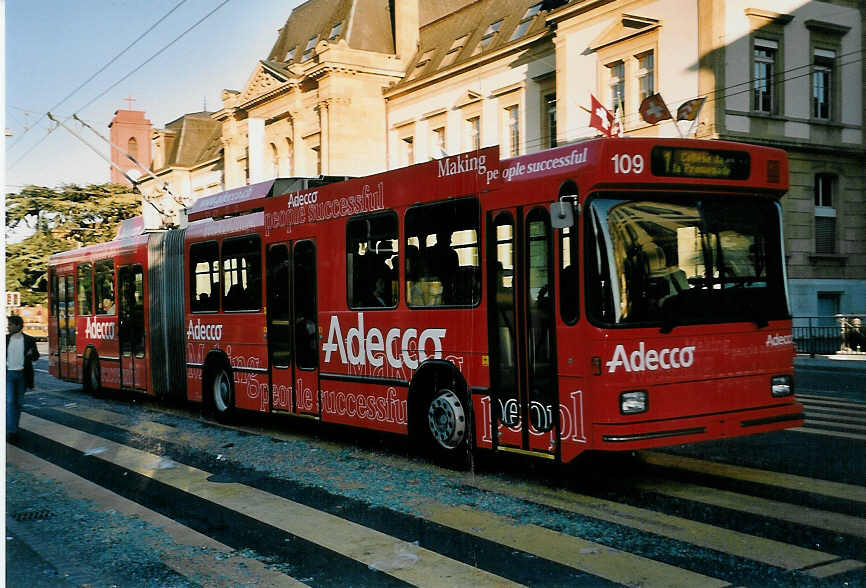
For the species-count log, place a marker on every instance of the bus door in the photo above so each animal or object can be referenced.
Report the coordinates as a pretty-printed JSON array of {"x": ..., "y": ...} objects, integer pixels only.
[
  {"x": 279, "y": 273},
  {"x": 525, "y": 409},
  {"x": 133, "y": 362},
  {"x": 293, "y": 340},
  {"x": 67, "y": 361}
]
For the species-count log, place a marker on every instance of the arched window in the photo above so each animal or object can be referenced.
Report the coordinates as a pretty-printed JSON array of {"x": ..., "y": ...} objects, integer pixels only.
[
  {"x": 275, "y": 161},
  {"x": 132, "y": 147}
]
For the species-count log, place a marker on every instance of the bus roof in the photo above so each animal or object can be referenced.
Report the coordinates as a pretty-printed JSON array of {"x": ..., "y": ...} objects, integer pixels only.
[{"x": 643, "y": 162}]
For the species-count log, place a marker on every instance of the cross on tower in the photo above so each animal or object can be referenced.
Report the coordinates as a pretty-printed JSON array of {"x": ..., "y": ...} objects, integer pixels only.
[{"x": 129, "y": 99}]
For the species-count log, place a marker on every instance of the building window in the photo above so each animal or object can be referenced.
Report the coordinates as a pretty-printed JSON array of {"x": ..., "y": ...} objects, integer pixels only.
[
  {"x": 645, "y": 75},
  {"x": 275, "y": 161},
  {"x": 550, "y": 119},
  {"x": 408, "y": 151},
  {"x": 317, "y": 154},
  {"x": 829, "y": 305},
  {"x": 764, "y": 72},
  {"x": 825, "y": 213},
  {"x": 454, "y": 51},
  {"x": 132, "y": 147},
  {"x": 616, "y": 83},
  {"x": 422, "y": 63},
  {"x": 822, "y": 83},
  {"x": 437, "y": 143},
  {"x": 290, "y": 54},
  {"x": 527, "y": 19},
  {"x": 512, "y": 128},
  {"x": 308, "y": 50},
  {"x": 335, "y": 31},
  {"x": 473, "y": 133},
  {"x": 487, "y": 38}
]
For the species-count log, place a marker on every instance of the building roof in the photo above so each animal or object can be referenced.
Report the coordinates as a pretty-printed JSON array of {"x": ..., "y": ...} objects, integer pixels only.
[
  {"x": 361, "y": 23},
  {"x": 458, "y": 29},
  {"x": 196, "y": 139},
  {"x": 471, "y": 30}
]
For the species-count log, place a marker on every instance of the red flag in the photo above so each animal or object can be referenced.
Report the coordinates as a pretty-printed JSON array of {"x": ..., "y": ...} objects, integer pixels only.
[
  {"x": 600, "y": 117},
  {"x": 689, "y": 110},
  {"x": 653, "y": 109}
]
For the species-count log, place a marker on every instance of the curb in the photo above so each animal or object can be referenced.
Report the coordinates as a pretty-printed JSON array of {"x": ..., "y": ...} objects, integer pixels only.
[{"x": 832, "y": 362}]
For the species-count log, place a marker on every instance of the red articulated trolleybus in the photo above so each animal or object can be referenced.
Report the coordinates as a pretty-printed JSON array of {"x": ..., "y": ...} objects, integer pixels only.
[{"x": 613, "y": 294}]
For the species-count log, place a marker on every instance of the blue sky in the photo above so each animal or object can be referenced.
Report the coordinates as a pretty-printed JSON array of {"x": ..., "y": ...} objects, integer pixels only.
[{"x": 53, "y": 46}]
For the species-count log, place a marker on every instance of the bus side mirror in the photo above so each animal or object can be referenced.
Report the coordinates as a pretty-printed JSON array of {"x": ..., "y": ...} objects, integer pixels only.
[{"x": 562, "y": 212}]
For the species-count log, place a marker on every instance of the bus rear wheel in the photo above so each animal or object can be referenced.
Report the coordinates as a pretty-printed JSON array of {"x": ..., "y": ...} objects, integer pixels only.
[
  {"x": 445, "y": 428},
  {"x": 92, "y": 375},
  {"x": 220, "y": 393}
]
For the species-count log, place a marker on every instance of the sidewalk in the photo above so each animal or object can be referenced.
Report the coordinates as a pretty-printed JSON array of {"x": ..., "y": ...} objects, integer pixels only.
[{"x": 854, "y": 362}]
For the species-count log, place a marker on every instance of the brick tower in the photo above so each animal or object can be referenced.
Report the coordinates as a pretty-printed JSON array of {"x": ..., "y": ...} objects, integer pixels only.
[{"x": 131, "y": 132}]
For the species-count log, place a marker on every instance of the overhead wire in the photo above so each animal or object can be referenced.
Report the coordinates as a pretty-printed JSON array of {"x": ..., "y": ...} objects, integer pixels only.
[
  {"x": 125, "y": 77},
  {"x": 102, "y": 69}
]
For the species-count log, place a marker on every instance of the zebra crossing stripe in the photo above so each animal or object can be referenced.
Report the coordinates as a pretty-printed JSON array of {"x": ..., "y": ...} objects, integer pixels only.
[
  {"x": 745, "y": 474},
  {"x": 333, "y": 533}
]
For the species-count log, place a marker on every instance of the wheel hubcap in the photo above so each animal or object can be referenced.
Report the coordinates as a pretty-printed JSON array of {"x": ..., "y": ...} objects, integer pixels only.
[{"x": 447, "y": 420}]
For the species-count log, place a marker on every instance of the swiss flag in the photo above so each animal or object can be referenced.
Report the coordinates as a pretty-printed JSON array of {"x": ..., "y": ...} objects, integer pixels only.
[
  {"x": 653, "y": 109},
  {"x": 600, "y": 117}
]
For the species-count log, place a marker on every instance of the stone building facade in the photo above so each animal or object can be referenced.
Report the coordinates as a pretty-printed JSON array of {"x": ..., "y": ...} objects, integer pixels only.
[{"x": 350, "y": 89}]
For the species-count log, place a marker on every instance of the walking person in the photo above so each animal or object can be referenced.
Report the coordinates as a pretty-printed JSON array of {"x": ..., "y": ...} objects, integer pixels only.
[{"x": 21, "y": 352}]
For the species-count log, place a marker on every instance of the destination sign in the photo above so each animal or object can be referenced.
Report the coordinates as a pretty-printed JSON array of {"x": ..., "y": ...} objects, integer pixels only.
[{"x": 700, "y": 163}]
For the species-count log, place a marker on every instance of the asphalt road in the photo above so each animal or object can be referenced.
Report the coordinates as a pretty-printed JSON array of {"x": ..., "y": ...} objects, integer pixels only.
[{"x": 117, "y": 490}]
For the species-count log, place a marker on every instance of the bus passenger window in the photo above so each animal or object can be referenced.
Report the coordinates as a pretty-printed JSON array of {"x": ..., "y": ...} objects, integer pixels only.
[
  {"x": 85, "y": 289},
  {"x": 104, "y": 276},
  {"x": 372, "y": 254},
  {"x": 242, "y": 274},
  {"x": 442, "y": 260},
  {"x": 204, "y": 277}
]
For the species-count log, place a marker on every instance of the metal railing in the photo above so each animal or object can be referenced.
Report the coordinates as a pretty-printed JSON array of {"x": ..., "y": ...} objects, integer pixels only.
[{"x": 827, "y": 335}]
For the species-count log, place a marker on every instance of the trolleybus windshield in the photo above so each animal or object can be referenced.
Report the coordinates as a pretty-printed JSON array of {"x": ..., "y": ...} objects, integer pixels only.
[{"x": 675, "y": 260}]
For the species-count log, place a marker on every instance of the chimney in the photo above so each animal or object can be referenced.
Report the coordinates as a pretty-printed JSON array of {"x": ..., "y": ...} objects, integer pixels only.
[{"x": 406, "y": 25}]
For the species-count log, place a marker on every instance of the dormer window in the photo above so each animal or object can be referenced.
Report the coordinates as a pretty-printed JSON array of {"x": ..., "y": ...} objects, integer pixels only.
[
  {"x": 335, "y": 31},
  {"x": 308, "y": 50},
  {"x": 527, "y": 19},
  {"x": 487, "y": 39},
  {"x": 290, "y": 55},
  {"x": 422, "y": 63},
  {"x": 454, "y": 50}
]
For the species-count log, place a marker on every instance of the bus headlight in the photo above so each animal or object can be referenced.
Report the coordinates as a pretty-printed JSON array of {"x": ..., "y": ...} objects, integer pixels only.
[
  {"x": 782, "y": 385},
  {"x": 633, "y": 402}
]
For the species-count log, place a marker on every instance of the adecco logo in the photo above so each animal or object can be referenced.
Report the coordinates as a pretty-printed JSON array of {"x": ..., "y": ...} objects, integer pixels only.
[
  {"x": 642, "y": 359},
  {"x": 102, "y": 331},
  {"x": 200, "y": 332},
  {"x": 779, "y": 340},
  {"x": 361, "y": 347}
]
